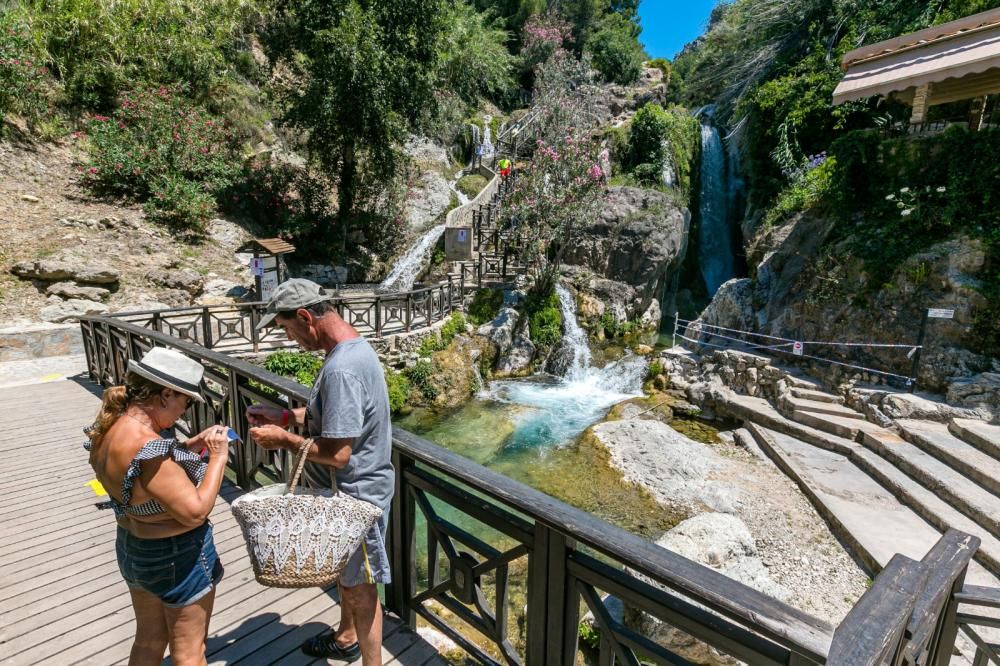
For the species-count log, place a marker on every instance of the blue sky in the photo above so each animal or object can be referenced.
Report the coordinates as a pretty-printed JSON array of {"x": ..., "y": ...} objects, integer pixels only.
[{"x": 667, "y": 25}]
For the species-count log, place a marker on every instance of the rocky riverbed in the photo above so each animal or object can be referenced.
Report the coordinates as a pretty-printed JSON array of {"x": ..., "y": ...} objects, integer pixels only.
[{"x": 749, "y": 520}]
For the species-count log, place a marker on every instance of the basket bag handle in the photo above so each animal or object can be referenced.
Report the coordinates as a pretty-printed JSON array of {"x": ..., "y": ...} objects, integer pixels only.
[{"x": 300, "y": 463}]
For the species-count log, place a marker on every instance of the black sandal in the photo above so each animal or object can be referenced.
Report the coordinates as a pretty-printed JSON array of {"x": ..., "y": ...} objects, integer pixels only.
[{"x": 325, "y": 646}]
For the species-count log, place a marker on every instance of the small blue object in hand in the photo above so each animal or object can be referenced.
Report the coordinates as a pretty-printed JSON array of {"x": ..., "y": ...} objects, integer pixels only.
[{"x": 232, "y": 435}]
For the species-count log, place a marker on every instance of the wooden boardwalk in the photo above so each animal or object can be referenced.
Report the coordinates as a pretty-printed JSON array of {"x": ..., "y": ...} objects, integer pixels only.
[{"x": 62, "y": 600}]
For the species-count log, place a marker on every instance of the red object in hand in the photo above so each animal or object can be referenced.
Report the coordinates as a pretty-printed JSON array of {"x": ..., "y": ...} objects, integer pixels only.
[{"x": 284, "y": 417}]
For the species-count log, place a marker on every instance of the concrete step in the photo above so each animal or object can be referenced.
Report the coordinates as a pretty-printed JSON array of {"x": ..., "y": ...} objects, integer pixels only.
[
  {"x": 818, "y": 407},
  {"x": 963, "y": 494},
  {"x": 983, "y": 436},
  {"x": 937, "y": 440},
  {"x": 862, "y": 513},
  {"x": 803, "y": 382},
  {"x": 757, "y": 413},
  {"x": 816, "y": 396},
  {"x": 848, "y": 428}
]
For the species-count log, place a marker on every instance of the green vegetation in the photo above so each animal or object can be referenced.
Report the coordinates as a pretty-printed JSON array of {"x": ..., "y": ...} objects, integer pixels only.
[
  {"x": 471, "y": 185},
  {"x": 616, "y": 53},
  {"x": 451, "y": 328},
  {"x": 544, "y": 318},
  {"x": 420, "y": 377},
  {"x": 485, "y": 306},
  {"x": 301, "y": 366},
  {"x": 655, "y": 369},
  {"x": 399, "y": 389},
  {"x": 655, "y": 140},
  {"x": 617, "y": 329}
]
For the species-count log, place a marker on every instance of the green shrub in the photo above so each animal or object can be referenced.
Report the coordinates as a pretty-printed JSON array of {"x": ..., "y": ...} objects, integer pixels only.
[
  {"x": 99, "y": 49},
  {"x": 544, "y": 319},
  {"x": 616, "y": 53},
  {"x": 301, "y": 366},
  {"x": 616, "y": 329},
  {"x": 451, "y": 328},
  {"x": 23, "y": 77},
  {"x": 659, "y": 137},
  {"x": 471, "y": 185},
  {"x": 655, "y": 369},
  {"x": 284, "y": 200},
  {"x": 160, "y": 146},
  {"x": 420, "y": 376},
  {"x": 806, "y": 191},
  {"x": 399, "y": 389},
  {"x": 485, "y": 306}
]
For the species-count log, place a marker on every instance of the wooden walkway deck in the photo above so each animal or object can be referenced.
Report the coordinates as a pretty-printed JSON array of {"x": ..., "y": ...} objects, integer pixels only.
[{"x": 62, "y": 600}]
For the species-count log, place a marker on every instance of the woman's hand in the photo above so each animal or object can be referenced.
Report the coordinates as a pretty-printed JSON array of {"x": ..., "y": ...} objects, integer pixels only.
[
  {"x": 259, "y": 415},
  {"x": 215, "y": 440}
]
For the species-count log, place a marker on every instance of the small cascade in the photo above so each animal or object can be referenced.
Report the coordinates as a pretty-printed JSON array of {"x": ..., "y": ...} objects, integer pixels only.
[
  {"x": 574, "y": 337},
  {"x": 715, "y": 250},
  {"x": 405, "y": 272},
  {"x": 479, "y": 386}
]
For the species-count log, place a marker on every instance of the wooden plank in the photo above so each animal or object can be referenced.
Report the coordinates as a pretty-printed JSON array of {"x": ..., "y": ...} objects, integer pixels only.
[
  {"x": 979, "y": 596},
  {"x": 872, "y": 629}
]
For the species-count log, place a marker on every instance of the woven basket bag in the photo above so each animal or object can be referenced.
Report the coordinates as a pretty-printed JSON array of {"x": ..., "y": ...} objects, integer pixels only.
[{"x": 298, "y": 537}]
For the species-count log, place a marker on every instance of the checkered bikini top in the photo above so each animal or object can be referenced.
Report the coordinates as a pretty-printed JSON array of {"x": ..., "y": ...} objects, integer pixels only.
[{"x": 154, "y": 448}]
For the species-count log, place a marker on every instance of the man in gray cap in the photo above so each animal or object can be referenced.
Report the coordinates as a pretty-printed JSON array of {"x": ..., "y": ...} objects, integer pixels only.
[{"x": 348, "y": 418}]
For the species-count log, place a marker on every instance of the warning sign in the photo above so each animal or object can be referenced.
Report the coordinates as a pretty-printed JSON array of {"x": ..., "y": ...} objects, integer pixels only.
[
  {"x": 797, "y": 348},
  {"x": 940, "y": 313}
]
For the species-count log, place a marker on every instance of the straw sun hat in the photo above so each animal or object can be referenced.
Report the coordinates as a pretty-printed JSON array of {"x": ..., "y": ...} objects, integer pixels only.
[{"x": 172, "y": 369}]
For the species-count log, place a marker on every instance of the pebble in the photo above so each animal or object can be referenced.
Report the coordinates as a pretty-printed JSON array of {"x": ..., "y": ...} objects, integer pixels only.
[{"x": 30, "y": 198}]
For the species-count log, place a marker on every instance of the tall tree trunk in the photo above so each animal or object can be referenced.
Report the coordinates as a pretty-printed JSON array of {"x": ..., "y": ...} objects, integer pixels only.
[{"x": 346, "y": 192}]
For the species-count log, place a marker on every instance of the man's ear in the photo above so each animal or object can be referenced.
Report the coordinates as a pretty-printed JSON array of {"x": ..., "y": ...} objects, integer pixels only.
[{"x": 304, "y": 315}]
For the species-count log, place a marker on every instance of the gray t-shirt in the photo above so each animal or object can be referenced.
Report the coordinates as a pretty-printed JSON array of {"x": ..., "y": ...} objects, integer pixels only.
[{"x": 350, "y": 399}]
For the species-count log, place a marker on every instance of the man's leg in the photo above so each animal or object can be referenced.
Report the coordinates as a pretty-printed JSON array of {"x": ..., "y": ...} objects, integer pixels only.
[{"x": 361, "y": 620}]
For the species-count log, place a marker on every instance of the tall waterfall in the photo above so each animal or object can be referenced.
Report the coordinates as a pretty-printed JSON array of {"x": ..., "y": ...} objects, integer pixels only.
[
  {"x": 715, "y": 248},
  {"x": 574, "y": 336},
  {"x": 405, "y": 272}
]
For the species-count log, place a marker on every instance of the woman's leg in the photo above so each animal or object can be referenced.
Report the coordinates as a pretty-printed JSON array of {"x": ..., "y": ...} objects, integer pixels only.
[
  {"x": 188, "y": 629},
  {"x": 151, "y": 635}
]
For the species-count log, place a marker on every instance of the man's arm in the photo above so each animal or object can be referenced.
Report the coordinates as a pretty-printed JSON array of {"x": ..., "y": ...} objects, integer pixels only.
[{"x": 335, "y": 452}]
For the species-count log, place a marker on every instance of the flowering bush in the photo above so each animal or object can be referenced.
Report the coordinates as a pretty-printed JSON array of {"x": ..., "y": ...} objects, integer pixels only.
[
  {"x": 161, "y": 148},
  {"x": 23, "y": 78},
  {"x": 915, "y": 203}
]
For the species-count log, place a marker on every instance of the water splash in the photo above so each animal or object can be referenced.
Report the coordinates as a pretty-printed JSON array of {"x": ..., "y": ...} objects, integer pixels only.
[
  {"x": 715, "y": 252},
  {"x": 405, "y": 272},
  {"x": 560, "y": 408}
]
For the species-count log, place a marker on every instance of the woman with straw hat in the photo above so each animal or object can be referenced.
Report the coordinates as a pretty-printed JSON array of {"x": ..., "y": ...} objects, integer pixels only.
[{"x": 162, "y": 492}]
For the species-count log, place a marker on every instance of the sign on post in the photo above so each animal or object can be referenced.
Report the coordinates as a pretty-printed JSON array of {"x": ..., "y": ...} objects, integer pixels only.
[
  {"x": 797, "y": 348},
  {"x": 257, "y": 266},
  {"x": 940, "y": 313}
]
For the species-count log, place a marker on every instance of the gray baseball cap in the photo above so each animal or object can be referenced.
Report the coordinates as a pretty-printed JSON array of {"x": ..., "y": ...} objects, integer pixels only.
[{"x": 290, "y": 296}]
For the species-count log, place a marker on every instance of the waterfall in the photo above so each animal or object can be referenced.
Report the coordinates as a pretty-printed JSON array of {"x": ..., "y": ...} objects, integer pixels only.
[
  {"x": 715, "y": 251},
  {"x": 405, "y": 272},
  {"x": 574, "y": 336}
]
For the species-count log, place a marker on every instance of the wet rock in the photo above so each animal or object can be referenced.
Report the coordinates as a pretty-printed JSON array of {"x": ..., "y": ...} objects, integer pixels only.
[
  {"x": 500, "y": 331},
  {"x": 517, "y": 359}
]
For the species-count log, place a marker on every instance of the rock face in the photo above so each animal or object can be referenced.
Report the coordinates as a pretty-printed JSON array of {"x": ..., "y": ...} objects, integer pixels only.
[
  {"x": 798, "y": 291},
  {"x": 732, "y": 307},
  {"x": 720, "y": 541},
  {"x": 426, "y": 200},
  {"x": 54, "y": 270},
  {"x": 516, "y": 360},
  {"x": 184, "y": 279}
]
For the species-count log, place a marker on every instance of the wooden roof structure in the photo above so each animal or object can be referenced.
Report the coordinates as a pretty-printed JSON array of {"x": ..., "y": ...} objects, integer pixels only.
[
  {"x": 270, "y": 245},
  {"x": 945, "y": 63}
]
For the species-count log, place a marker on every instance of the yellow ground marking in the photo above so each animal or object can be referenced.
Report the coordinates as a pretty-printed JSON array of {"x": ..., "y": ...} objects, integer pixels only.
[{"x": 53, "y": 376}]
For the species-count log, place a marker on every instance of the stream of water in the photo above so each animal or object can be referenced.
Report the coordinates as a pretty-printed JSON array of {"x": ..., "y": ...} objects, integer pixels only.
[{"x": 715, "y": 251}]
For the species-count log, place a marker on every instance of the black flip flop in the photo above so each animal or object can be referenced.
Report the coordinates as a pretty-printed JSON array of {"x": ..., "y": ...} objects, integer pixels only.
[{"x": 325, "y": 646}]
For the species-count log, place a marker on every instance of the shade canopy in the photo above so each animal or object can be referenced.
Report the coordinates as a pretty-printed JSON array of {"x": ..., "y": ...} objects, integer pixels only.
[{"x": 960, "y": 59}]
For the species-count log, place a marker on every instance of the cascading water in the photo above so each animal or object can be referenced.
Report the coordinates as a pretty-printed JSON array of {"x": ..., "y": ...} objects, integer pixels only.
[
  {"x": 715, "y": 250},
  {"x": 559, "y": 409},
  {"x": 405, "y": 272}
]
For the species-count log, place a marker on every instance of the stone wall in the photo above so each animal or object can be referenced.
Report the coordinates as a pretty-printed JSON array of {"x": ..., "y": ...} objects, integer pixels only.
[{"x": 21, "y": 343}]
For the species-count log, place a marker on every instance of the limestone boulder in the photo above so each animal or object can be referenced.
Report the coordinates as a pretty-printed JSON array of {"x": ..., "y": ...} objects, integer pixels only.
[
  {"x": 724, "y": 543},
  {"x": 979, "y": 392},
  {"x": 516, "y": 360},
  {"x": 69, "y": 290},
  {"x": 183, "y": 279},
  {"x": 426, "y": 201},
  {"x": 731, "y": 307},
  {"x": 228, "y": 234},
  {"x": 56, "y": 270},
  {"x": 71, "y": 310},
  {"x": 500, "y": 331}
]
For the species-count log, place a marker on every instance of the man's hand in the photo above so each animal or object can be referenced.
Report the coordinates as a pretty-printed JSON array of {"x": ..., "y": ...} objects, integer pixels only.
[
  {"x": 272, "y": 437},
  {"x": 259, "y": 415}
]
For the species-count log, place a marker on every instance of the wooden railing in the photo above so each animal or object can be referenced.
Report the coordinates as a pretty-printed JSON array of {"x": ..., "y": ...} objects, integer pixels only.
[{"x": 483, "y": 537}]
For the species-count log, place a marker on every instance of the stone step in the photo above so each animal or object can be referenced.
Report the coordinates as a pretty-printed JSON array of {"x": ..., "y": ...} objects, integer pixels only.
[
  {"x": 963, "y": 494},
  {"x": 848, "y": 428},
  {"x": 922, "y": 501},
  {"x": 983, "y": 436},
  {"x": 817, "y": 407},
  {"x": 816, "y": 396},
  {"x": 800, "y": 381},
  {"x": 859, "y": 513},
  {"x": 937, "y": 440}
]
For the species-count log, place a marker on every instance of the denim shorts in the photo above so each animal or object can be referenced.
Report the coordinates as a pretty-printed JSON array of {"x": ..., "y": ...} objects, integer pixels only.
[{"x": 179, "y": 570}]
